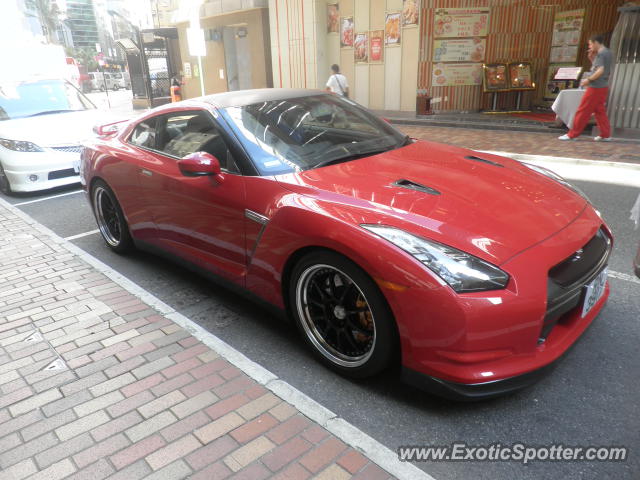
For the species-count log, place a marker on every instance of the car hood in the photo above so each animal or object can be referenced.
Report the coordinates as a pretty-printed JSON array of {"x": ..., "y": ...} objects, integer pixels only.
[
  {"x": 490, "y": 206},
  {"x": 70, "y": 128}
]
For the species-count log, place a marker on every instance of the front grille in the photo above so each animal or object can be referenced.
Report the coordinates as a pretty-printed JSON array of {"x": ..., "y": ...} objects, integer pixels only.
[
  {"x": 567, "y": 279},
  {"x": 69, "y": 148},
  {"x": 68, "y": 172}
]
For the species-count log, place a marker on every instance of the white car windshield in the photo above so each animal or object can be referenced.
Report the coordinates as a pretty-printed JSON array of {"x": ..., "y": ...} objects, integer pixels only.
[{"x": 41, "y": 97}]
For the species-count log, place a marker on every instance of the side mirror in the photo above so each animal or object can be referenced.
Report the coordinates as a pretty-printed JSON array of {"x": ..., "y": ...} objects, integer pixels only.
[{"x": 200, "y": 164}]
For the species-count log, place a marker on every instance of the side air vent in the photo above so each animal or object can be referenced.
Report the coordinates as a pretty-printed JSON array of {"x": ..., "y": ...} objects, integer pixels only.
[
  {"x": 403, "y": 183},
  {"x": 483, "y": 160}
]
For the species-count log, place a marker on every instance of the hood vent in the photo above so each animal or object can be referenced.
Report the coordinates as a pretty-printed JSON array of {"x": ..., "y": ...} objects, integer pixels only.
[
  {"x": 483, "y": 160},
  {"x": 403, "y": 183}
]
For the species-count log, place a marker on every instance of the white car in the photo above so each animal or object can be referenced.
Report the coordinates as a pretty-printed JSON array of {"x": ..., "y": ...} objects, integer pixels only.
[{"x": 42, "y": 126}]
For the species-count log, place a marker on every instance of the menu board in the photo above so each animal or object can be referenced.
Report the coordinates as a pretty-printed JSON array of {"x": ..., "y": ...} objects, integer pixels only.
[
  {"x": 456, "y": 74},
  {"x": 361, "y": 48},
  {"x": 459, "y": 50},
  {"x": 520, "y": 77},
  {"x": 461, "y": 22},
  {"x": 567, "y": 28},
  {"x": 552, "y": 88},
  {"x": 495, "y": 77},
  {"x": 564, "y": 54},
  {"x": 376, "y": 46}
]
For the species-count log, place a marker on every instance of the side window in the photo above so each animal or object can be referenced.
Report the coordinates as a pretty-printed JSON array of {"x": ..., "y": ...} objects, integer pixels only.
[
  {"x": 188, "y": 132},
  {"x": 144, "y": 135}
]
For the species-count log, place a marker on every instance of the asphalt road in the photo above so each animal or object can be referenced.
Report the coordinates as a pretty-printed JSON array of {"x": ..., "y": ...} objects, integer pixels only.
[{"x": 592, "y": 398}]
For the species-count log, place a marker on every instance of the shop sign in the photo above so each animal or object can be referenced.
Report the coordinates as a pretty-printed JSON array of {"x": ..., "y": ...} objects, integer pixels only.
[
  {"x": 456, "y": 74},
  {"x": 459, "y": 50},
  {"x": 461, "y": 22},
  {"x": 376, "y": 46}
]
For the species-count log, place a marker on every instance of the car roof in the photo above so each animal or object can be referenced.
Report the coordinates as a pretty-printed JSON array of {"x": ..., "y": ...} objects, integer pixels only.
[{"x": 241, "y": 98}]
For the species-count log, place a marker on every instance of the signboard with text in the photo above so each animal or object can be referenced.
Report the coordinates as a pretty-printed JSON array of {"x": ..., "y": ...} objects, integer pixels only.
[
  {"x": 456, "y": 74},
  {"x": 461, "y": 22},
  {"x": 459, "y": 50}
]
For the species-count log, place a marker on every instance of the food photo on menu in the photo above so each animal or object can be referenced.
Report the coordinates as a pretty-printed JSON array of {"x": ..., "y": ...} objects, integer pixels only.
[
  {"x": 361, "y": 47},
  {"x": 333, "y": 18},
  {"x": 346, "y": 32},
  {"x": 392, "y": 29},
  {"x": 410, "y": 12}
]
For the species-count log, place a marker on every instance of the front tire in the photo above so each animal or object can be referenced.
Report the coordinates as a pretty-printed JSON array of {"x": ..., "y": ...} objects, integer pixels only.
[
  {"x": 111, "y": 221},
  {"x": 5, "y": 185},
  {"x": 342, "y": 315}
]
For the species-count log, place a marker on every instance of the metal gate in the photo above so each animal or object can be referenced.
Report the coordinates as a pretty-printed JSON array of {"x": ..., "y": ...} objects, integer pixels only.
[{"x": 624, "y": 97}]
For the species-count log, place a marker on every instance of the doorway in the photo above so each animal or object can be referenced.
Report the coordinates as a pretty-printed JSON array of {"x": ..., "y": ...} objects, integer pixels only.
[{"x": 237, "y": 55}]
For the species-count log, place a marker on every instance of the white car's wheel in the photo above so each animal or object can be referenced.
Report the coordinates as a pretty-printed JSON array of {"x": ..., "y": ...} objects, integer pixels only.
[{"x": 5, "y": 185}]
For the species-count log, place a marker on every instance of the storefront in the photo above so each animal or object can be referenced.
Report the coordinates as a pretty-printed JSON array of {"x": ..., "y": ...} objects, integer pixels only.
[{"x": 395, "y": 51}]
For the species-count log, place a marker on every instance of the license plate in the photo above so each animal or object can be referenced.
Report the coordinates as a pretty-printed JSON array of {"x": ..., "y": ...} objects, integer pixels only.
[
  {"x": 76, "y": 166},
  {"x": 594, "y": 292}
]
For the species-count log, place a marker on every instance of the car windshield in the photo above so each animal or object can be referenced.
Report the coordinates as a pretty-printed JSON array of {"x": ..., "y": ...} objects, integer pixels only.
[
  {"x": 27, "y": 99},
  {"x": 284, "y": 136}
]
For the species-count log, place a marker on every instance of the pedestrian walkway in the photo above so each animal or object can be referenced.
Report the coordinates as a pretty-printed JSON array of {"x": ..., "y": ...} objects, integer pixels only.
[
  {"x": 97, "y": 383},
  {"x": 528, "y": 143}
]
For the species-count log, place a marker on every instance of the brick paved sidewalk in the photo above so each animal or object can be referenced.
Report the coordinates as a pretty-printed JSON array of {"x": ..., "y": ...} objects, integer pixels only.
[
  {"x": 97, "y": 384},
  {"x": 528, "y": 143}
]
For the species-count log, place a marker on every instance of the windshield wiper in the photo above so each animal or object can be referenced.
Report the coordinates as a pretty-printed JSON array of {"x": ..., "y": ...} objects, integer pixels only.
[
  {"x": 48, "y": 112},
  {"x": 347, "y": 158}
]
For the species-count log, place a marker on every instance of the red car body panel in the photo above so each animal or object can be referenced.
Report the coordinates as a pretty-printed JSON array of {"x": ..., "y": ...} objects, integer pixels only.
[{"x": 507, "y": 215}]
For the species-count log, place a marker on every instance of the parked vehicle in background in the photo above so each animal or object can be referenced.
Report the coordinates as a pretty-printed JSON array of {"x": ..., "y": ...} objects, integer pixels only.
[
  {"x": 122, "y": 79},
  {"x": 636, "y": 263},
  {"x": 42, "y": 125},
  {"x": 103, "y": 81}
]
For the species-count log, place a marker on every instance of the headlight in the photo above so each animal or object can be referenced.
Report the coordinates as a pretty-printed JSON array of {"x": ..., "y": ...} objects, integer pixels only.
[
  {"x": 20, "y": 146},
  {"x": 461, "y": 271},
  {"x": 554, "y": 176}
]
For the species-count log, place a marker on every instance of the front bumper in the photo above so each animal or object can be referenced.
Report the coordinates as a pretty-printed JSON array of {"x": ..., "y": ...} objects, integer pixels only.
[
  {"x": 32, "y": 171},
  {"x": 485, "y": 344}
]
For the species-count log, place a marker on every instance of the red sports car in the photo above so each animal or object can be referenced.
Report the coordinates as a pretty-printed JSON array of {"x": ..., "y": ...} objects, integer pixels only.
[{"x": 473, "y": 272}]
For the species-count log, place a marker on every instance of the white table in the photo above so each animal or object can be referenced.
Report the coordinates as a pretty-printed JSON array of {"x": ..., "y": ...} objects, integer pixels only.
[{"x": 567, "y": 103}]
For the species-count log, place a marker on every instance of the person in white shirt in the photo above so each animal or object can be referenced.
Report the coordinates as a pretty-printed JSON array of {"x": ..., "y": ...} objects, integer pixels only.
[{"x": 337, "y": 82}]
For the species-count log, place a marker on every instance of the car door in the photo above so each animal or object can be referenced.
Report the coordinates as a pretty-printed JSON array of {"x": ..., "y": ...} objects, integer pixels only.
[{"x": 199, "y": 218}]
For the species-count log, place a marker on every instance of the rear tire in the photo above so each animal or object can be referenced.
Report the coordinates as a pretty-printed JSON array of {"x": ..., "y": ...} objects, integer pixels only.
[
  {"x": 5, "y": 185},
  {"x": 110, "y": 218},
  {"x": 342, "y": 315}
]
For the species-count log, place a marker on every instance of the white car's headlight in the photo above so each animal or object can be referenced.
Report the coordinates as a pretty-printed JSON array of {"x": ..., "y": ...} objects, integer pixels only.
[
  {"x": 19, "y": 145},
  {"x": 461, "y": 271},
  {"x": 554, "y": 176}
]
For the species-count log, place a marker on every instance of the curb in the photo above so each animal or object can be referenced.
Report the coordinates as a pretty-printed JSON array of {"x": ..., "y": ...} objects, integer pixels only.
[{"x": 349, "y": 434}]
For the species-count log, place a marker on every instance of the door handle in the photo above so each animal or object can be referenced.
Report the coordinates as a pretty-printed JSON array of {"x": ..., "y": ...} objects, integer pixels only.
[{"x": 146, "y": 172}]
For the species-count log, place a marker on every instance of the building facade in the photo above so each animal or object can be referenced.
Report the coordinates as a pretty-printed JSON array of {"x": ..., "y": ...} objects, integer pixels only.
[
  {"x": 236, "y": 34},
  {"x": 81, "y": 20},
  {"x": 394, "y": 52}
]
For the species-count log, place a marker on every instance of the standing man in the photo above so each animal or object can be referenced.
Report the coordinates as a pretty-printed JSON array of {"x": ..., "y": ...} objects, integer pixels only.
[
  {"x": 337, "y": 82},
  {"x": 595, "y": 98}
]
